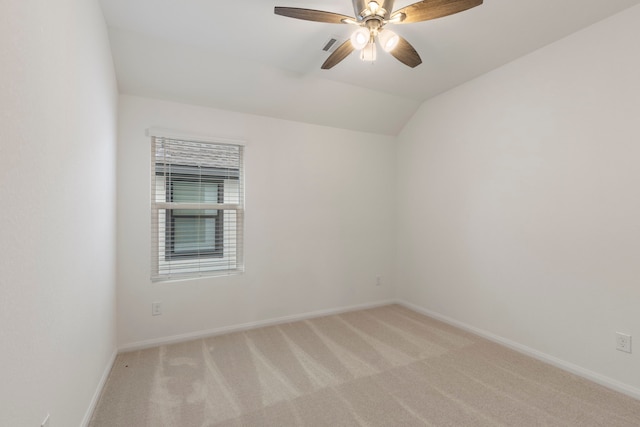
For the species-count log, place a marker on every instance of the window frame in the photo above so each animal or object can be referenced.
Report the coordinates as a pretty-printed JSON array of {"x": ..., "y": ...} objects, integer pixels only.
[{"x": 221, "y": 162}]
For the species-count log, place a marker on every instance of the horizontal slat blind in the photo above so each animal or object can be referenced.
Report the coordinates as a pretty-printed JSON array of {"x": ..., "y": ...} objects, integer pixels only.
[{"x": 197, "y": 208}]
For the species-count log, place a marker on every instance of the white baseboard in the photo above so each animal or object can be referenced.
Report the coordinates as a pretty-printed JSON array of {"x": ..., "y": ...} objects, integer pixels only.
[
  {"x": 140, "y": 345},
  {"x": 96, "y": 395},
  {"x": 570, "y": 367}
]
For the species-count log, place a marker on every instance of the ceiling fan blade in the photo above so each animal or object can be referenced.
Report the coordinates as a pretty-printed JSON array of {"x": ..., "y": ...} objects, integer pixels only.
[
  {"x": 432, "y": 9},
  {"x": 338, "y": 55},
  {"x": 311, "y": 15},
  {"x": 406, "y": 54}
]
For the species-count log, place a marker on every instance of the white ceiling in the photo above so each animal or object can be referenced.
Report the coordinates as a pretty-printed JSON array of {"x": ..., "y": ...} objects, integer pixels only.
[{"x": 238, "y": 55}]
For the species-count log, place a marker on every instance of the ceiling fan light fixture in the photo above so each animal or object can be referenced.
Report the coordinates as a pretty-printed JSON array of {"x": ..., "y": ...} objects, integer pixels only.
[
  {"x": 368, "y": 53},
  {"x": 360, "y": 38},
  {"x": 388, "y": 40},
  {"x": 371, "y": 16}
]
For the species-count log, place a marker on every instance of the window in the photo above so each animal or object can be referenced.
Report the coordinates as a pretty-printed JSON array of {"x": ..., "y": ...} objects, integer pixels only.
[
  {"x": 193, "y": 232},
  {"x": 197, "y": 208}
]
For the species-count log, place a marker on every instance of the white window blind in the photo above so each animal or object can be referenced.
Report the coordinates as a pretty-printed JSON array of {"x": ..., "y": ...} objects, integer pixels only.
[{"x": 197, "y": 208}]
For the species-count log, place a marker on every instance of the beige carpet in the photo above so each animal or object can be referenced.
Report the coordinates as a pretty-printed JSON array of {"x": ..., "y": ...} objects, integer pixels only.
[{"x": 386, "y": 366}]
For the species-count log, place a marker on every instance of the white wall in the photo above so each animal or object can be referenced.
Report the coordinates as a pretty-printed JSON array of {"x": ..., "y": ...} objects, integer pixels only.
[
  {"x": 58, "y": 102},
  {"x": 318, "y": 228},
  {"x": 519, "y": 201}
]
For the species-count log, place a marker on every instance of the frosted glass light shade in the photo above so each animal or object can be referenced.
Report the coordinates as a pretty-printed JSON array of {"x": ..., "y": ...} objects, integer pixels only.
[
  {"x": 388, "y": 40},
  {"x": 360, "y": 38}
]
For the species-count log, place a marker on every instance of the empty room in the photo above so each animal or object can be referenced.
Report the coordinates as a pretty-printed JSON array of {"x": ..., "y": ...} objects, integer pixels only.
[{"x": 319, "y": 213}]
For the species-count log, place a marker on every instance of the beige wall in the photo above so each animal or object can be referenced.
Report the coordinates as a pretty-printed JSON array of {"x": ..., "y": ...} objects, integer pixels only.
[
  {"x": 58, "y": 102},
  {"x": 319, "y": 223},
  {"x": 519, "y": 205}
]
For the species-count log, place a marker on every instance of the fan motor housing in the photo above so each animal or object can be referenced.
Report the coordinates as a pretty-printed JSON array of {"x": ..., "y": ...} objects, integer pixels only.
[{"x": 359, "y": 6}]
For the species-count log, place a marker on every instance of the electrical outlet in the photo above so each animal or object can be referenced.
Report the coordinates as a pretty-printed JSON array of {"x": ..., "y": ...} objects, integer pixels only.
[
  {"x": 623, "y": 342},
  {"x": 156, "y": 308},
  {"x": 378, "y": 281},
  {"x": 45, "y": 423}
]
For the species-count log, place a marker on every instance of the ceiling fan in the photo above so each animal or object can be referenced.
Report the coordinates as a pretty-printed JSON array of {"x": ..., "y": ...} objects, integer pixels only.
[{"x": 371, "y": 18}]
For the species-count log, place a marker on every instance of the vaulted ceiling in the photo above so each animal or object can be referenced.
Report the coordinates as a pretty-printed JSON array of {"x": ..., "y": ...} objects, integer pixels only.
[{"x": 238, "y": 55}]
